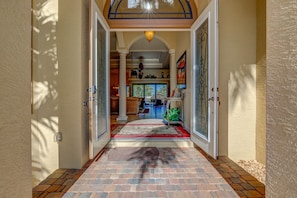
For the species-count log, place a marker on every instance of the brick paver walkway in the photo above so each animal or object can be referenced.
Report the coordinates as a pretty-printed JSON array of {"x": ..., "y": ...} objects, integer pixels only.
[
  {"x": 244, "y": 184},
  {"x": 174, "y": 172}
]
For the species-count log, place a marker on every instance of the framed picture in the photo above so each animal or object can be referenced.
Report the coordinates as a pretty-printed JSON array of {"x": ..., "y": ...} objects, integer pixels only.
[{"x": 181, "y": 71}]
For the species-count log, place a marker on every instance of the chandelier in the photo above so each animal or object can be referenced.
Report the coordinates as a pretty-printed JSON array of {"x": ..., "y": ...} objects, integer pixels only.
[{"x": 149, "y": 35}]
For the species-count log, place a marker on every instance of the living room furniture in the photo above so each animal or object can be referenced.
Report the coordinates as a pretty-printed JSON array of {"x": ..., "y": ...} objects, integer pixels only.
[{"x": 132, "y": 105}]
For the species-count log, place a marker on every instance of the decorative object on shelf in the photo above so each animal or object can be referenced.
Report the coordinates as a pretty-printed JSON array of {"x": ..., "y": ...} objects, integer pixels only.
[
  {"x": 140, "y": 66},
  {"x": 150, "y": 76},
  {"x": 140, "y": 74},
  {"x": 162, "y": 74},
  {"x": 149, "y": 35},
  {"x": 134, "y": 73}
]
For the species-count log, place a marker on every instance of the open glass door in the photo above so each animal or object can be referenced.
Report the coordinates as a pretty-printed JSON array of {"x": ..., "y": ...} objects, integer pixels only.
[
  {"x": 205, "y": 80},
  {"x": 99, "y": 132}
]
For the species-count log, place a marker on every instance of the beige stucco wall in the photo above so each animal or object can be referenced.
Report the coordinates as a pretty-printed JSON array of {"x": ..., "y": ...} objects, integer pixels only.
[
  {"x": 45, "y": 120},
  {"x": 185, "y": 45},
  {"x": 72, "y": 77},
  {"x": 261, "y": 83},
  {"x": 15, "y": 94},
  {"x": 237, "y": 57},
  {"x": 60, "y": 71},
  {"x": 201, "y": 5},
  {"x": 100, "y": 4},
  {"x": 281, "y": 99}
]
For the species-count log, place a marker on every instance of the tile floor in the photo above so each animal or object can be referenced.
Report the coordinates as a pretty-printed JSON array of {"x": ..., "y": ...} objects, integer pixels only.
[{"x": 183, "y": 172}]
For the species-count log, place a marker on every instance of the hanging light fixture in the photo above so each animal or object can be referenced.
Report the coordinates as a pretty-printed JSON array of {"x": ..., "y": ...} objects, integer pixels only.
[{"x": 149, "y": 35}]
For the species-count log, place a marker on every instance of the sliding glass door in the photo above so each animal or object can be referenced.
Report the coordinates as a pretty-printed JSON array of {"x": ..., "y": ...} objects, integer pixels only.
[{"x": 152, "y": 93}]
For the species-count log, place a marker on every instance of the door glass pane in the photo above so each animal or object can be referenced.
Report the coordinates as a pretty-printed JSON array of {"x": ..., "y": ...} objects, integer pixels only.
[
  {"x": 138, "y": 90},
  {"x": 152, "y": 93},
  {"x": 161, "y": 94},
  {"x": 201, "y": 80},
  {"x": 149, "y": 90},
  {"x": 161, "y": 90},
  {"x": 101, "y": 81}
]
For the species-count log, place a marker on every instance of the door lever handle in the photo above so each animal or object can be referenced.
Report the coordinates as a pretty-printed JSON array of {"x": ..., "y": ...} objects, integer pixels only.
[{"x": 211, "y": 99}]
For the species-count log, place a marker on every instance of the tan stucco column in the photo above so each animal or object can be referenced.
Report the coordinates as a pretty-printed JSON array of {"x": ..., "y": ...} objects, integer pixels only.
[
  {"x": 173, "y": 79},
  {"x": 122, "y": 86}
]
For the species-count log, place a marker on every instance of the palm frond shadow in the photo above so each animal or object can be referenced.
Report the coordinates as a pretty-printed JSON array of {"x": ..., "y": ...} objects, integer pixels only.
[{"x": 150, "y": 157}]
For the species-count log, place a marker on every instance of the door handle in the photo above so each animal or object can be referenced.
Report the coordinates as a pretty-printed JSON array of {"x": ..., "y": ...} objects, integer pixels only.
[{"x": 211, "y": 99}]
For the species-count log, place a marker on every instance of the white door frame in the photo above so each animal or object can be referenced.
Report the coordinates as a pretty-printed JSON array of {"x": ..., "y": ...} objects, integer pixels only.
[{"x": 97, "y": 142}]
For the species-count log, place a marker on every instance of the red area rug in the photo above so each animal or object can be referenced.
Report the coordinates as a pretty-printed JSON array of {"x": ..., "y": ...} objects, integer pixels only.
[{"x": 148, "y": 131}]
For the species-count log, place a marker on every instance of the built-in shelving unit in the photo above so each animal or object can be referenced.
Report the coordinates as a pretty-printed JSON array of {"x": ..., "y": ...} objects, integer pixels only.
[{"x": 149, "y": 79}]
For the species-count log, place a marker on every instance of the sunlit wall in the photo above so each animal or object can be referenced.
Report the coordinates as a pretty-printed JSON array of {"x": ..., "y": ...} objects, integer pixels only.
[
  {"x": 237, "y": 78},
  {"x": 45, "y": 96},
  {"x": 261, "y": 83},
  {"x": 60, "y": 81}
]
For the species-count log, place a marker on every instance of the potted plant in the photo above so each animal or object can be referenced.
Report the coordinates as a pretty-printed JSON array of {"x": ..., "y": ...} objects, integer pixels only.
[{"x": 172, "y": 114}]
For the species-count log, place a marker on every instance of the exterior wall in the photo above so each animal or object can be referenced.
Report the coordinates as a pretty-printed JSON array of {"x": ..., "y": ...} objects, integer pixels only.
[
  {"x": 237, "y": 58},
  {"x": 45, "y": 120},
  {"x": 261, "y": 83},
  {"x": 281, "y": 99},
  {"x": 60, "y": 55},
  {"x": 15, "y": 103},
  {"x": 72, "y": 77}
]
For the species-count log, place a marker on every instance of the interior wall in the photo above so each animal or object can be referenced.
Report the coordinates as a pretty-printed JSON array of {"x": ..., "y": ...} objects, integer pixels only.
[
  {"x": 185, "y": 45},
  {"x": 261, "y": 83},
  {"x": 281, "y": 99},
  {"x": 237, "y": 59},
  {"x": 201, "y": 5},
  {"x": 73, "y": 67},
  {"x": 45, "y": 120},
  {"x": 100, "y": 4},
  {"x": 168, "y": 38},
  {"x": 15, "y": 103}
]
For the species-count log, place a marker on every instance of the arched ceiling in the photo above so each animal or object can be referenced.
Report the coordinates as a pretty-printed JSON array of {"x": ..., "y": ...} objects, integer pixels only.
[
  {"x": 152, "y": 54},
  {"x": 120, "y": 14}
]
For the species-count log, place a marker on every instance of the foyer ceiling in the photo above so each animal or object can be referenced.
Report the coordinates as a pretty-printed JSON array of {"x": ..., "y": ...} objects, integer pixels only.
[
  {"x": 147, "y": 15},
  {"x": 152, "y": 54}
]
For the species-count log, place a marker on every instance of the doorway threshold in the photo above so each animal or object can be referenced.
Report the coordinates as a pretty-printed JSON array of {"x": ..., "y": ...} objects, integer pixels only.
[{"x": 150, "y": 142}]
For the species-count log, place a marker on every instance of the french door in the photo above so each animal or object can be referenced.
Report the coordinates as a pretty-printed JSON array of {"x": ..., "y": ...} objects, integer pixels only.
[
  {"x": 204, "y": 35},
  {"x": 99, "y": 132}
]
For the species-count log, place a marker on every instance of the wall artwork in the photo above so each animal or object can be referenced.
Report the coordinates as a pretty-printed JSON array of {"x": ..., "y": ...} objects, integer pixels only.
[{"x": 181, "y": 71}]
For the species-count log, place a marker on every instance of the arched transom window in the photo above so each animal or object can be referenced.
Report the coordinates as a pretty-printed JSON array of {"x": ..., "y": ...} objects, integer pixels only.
[{"x": 150, "y": 9}]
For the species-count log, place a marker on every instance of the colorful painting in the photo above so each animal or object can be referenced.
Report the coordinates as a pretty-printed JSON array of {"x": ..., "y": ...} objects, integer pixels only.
[{"x": 181, "y": 71}]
